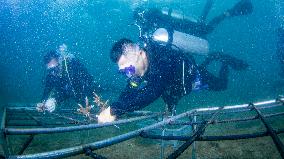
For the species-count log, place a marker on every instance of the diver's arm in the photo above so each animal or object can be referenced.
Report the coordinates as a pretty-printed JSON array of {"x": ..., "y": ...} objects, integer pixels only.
[
  {"x": 49, "y": 85},
  {"x": 133, "y": 99},
  {"x": 82, "y": 82},
  {"x": 88, "y": 80}
]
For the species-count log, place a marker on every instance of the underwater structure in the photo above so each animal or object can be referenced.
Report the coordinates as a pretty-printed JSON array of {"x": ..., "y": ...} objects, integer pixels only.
[{"x": 197, "y": 120}]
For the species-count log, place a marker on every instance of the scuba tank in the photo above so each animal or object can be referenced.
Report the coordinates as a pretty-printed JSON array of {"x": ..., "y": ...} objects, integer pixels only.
[
  {"x": 182, "y": 41},
  {"x": 173, "y": 29}
]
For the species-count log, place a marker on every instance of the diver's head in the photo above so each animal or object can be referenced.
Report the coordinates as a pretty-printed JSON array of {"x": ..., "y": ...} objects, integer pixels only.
[
  {"x": 51, "y": 59},
  {"x": 62, "y": 49},
  {"x": 131, "y": 59}
]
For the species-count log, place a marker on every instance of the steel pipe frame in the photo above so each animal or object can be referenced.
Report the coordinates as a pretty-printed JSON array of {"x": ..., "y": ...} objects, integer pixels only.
[
  {"x": 270, "y": 130},
  {"x": 202, "y": 110},
  {"x": 29, "y": 131},
  {"x": 199, "y": 131},
  {"x": 107, "y": 142},
  {"x": 242, "y": 108},
  {"x": 99, "y": 144},
  {"x": 216, "y": 110},
  {"x": 210, "y": 138},
  {"x": 14, "y": 131},
  {"x": 230, "y": 120},
  {"x": 68, "y": 118},
  {"x": 3, "y": 138}
]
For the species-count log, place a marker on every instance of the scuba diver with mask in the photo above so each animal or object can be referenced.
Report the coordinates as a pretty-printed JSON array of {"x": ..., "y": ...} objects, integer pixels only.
[
  {"x": 160, "y": 66},
  {"x": 156, "y": 71},
  {"x": 66, "y": 78},
  {"x": 174, "y": 29}
]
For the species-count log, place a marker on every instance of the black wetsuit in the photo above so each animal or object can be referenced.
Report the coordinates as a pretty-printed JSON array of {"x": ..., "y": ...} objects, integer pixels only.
[
  {"x": 170, "y": 75},
  {"x": 80, "y": 85}
]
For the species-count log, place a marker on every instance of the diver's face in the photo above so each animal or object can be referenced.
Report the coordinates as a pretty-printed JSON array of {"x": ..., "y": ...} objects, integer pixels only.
[
  {"x": 52, "y": 64},
  {"x": 132, "y": 62}
]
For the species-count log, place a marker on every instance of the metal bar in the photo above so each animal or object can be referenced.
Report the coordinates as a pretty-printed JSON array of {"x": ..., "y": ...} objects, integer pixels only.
[
  {"x": 99, "y": 144},
  {"x": 162, "y": 148},
  {"x": 275, "y": 138},
  {"x": 20, "y": 108},
  {"x": 18, "y": 118},
  {"x": 200, "y": 130},
  {"x": 194, "y": 143},
  {"x": 68, "y": 118},
  {"x": 261, "y": 105},
  {"x": 21, "y": 124},
  {"x": 183, "y": 147},
  {"x": 3, "y": 138},
  {"x": 26, "y": 131},
  {"x": 238, "y": 106},
  {"x": 31, "y": 137},
  {"x": 26, "y": 144},
  {"x": 240, "y": 109},
  {"x": 35, "y": 124},
  {"x": 229, "y": 120},
  {"x": 273, "y": 115},
  {"x": 210, "y": 138},
  {"x": 35, "y": 119},
  {"x": 278, "y": 102}
]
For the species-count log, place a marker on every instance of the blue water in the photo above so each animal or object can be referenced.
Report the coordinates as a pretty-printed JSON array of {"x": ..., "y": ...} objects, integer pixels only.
[{"x": 89, "y": 28}]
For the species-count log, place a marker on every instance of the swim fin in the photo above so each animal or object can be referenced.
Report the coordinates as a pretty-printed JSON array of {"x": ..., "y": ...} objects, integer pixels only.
[
  {"x": 234, "y": 63},
  {"x": 244, "y": 7},
  {"x": 231, "y": 61}
]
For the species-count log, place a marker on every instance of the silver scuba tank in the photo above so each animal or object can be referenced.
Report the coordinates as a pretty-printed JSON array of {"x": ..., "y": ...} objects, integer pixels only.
[
  {"x": 177, "y": 14},
  {"x": 182, "y": 41}
]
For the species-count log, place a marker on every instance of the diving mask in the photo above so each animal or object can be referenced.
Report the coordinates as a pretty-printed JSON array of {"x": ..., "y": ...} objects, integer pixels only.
[{"x": 128, "y": 71}]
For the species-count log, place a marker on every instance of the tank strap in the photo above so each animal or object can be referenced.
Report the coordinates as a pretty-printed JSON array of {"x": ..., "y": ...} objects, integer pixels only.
[
  {"x": 171, "y": 34},
  {"x": 183, "y": 77}
]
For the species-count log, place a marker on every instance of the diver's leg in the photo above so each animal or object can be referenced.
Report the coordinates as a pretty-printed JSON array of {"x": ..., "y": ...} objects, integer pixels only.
[
  {"x": 171, "y": 102},
  {"x": 220, "y": 83},
  {"x": 243, "y": 7},
  {"x": 170, "y": 110},
  {"x": 233, "y": 62},
  {"x": 206, "y": 10},
  {"x": 215, "y": 83}
]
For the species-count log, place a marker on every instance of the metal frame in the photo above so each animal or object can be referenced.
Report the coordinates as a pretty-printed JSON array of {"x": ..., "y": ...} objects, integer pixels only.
[{"x": 182, "y": 119}]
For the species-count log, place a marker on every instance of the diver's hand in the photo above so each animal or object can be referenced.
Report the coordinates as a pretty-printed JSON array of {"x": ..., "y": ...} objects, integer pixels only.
[
  {"x": 48, "y": 105},
  {"x": 40, "y": 107},
  {"x": 105, "y": 116}
]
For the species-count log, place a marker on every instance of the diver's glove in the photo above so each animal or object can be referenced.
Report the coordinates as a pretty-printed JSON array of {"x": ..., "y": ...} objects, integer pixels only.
[
  {"x": 105, "y": 116},
  {"x": 48, "y": 105}
]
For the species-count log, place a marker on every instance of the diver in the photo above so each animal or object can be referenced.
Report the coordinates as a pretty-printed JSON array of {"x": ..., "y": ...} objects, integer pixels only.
[
  {"x": 160, "y": 66},
  {"x": 152, "y": 19},
  {"x": 182, "y": 33},
  {"x": 280, "y": 50},
  {"x": 156, "y": 71},
  {"x": 66, "y": 78}
]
